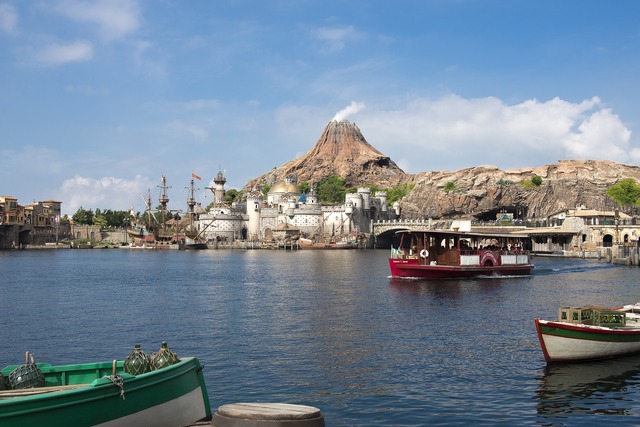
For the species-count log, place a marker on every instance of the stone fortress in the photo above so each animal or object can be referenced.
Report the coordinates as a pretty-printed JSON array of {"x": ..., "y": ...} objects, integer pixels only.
[{"x": 288, "y": 214}]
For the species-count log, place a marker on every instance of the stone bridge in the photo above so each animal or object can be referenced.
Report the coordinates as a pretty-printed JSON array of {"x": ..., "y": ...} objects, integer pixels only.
[{"x": 384, "y": 231}]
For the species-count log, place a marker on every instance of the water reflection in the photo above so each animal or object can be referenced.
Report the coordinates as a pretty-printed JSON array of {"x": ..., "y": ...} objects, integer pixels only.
[
  {"x": 440, "y": 288},
  {"x": 581, "y": 388},
  {"x": 453, "y": 288}
]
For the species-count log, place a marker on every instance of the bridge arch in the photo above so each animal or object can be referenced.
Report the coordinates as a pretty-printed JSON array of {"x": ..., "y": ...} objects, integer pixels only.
[{"x": 384, "y": 231}]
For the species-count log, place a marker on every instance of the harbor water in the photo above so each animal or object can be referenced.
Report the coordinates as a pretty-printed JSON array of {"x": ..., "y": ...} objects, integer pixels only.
[{"x": 328, "y": 329}]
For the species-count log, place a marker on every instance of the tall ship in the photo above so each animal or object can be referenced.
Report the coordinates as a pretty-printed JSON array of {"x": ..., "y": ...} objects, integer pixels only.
[{"x": 154, "y": 232}]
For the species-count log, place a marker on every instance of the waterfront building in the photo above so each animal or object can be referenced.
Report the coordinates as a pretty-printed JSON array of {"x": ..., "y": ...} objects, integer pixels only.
[
  {"x": 223, "y": 224},
  {"x": 287, "y": 212},
  {"x": 43, "y": 213},
  {"x": 583, "y": 229},
  {"x": 10, "y": 210},
  {"x": 37, "y": 223}
]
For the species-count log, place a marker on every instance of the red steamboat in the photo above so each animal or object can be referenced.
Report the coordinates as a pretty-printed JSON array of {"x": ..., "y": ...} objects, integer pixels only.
[{"x": 447, "y": 254}]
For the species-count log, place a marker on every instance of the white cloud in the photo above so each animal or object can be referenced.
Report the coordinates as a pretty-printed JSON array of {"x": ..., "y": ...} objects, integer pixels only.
[
  {"x": 57, "y": 53},
  {"x": 195, "y": 131},
  {"x": 112, "y": 19},
  {"x": 104, "y": 193},
  {"x": 149, "y": 61},
  {"x": 8, "y": 18},
  {"x": 453, "y": 132},
  {"x": 600, "y": 135},
  {"x": 336, "y": 38}
]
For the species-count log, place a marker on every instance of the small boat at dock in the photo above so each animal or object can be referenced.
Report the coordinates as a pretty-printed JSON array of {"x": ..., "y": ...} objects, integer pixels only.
[
  {"x": 340, "y": 244},
  {"x": 450, "y": 254},
  {"x": 103, "y": 394},
  {"x": 590, "y": 333}
]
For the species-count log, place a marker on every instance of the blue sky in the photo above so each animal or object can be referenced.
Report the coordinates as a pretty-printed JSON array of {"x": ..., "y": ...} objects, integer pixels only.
[{"x": 99, "y": 99}]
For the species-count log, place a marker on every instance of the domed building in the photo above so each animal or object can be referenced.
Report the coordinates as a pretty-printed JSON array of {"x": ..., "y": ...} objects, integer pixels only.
[{"x": 282, "y": 192}]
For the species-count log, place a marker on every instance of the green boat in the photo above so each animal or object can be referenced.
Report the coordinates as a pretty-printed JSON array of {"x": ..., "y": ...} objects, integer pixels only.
[{"x": 103, "y": 394}]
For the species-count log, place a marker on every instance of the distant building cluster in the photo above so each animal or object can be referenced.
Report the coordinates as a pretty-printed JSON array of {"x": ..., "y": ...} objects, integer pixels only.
[
  {"x": 287, "y": 214},
  {"x": 37, "y": 213}
]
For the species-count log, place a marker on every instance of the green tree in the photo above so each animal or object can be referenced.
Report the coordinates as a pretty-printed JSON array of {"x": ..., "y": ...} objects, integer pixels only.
[
  {"x": 265, "y": 190},
  {"x": 530, "y": 183},
  {"x": 398, "y": 192},
  {"x": 374, "y": 189},
  {"x": 331, "y": 189},
  {"x": 625, "y": 193},
  {"x": 304, "y": 187},
  {"x": 504, "y": 183},
  {"x": 450, "y": 186},
  {"x": 83, "y": 217},
  {"x": 232, "y": 195},
  {"x": 114, "y": 219},
  {"x": 100, "y": 221}
]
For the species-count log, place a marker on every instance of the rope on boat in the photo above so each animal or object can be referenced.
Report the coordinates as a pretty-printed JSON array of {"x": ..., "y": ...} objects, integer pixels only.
[{"x": 117, "y": 380}]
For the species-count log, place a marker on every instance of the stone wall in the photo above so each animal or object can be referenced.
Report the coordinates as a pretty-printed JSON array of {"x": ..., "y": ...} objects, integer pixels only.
[
  {"x": 9, "y": 236},
  {"x": 16, "y": 236},
  {"x": 95, "y": 234}
]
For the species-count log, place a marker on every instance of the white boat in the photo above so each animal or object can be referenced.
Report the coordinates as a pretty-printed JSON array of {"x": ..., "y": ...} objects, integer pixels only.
[{"x": 590, "y": 333}]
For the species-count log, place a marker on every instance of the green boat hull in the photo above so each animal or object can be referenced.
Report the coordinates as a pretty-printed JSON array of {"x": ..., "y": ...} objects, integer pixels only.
[{"x": 84, "y": 395}]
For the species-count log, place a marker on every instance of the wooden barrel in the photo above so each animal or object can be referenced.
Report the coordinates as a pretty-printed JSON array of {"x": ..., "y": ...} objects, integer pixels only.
[{"x": 267, "y": 415}]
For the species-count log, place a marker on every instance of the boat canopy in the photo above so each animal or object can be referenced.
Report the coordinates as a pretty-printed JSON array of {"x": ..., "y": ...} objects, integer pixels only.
[{"x": 463, "y": 234}]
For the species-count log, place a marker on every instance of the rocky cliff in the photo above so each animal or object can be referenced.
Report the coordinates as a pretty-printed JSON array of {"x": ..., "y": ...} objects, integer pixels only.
[
  {"x": 341, "y": 150},
  {"x": 479, "y": 192},
  {"x": 483, "y": 191}
]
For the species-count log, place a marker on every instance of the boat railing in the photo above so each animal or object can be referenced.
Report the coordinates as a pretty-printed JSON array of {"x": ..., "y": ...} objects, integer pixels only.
[
  {"x": 470, "y": 259},
  {"x": 501, "y": 256}
]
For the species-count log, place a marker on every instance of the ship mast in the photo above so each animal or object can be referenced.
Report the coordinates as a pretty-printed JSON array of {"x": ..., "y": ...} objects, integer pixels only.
[
  {"x": 148, "y": 203},
  {"x": 164, "y": 200},
  {"x": 191, "y": 203}
]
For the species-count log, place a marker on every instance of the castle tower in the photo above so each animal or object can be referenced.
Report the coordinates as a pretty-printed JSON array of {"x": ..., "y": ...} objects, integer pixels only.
[
  {"x": 366, "y": 197},
  {"x": 312, "y": 198},
  {"x": 218, "y": 193},
  {"x": 382, "y": 196},
  {"x": 254, "y": 204}
]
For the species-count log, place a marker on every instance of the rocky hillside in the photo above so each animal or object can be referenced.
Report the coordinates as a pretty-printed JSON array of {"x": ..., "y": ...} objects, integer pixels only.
[
  {"x": 479, "y": 192},
  {"x": 341, "y": 150},
  {"x": 483, "y": 191}
]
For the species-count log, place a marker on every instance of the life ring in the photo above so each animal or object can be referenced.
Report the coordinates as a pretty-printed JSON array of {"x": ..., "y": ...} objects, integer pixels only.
[
  {"x": 488, "y": 258},
  {"x": 424, "y": 253}
]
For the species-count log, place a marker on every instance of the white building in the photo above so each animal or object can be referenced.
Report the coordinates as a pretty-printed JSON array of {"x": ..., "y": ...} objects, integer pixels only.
[{"x": 286, "y": 207}]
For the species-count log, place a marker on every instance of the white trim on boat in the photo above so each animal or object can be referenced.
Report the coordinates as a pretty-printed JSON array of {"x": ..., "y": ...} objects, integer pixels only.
[{"x": 184, "y": 410}]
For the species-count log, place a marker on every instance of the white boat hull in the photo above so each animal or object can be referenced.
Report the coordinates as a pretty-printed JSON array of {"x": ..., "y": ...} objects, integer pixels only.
[
  {"x": 563, "y": 342},
  {"x": 176, "y": 412}
]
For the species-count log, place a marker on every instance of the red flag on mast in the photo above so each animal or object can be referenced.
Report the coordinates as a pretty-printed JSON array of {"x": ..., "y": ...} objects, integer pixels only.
[{"x": 193, "y": 175}]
